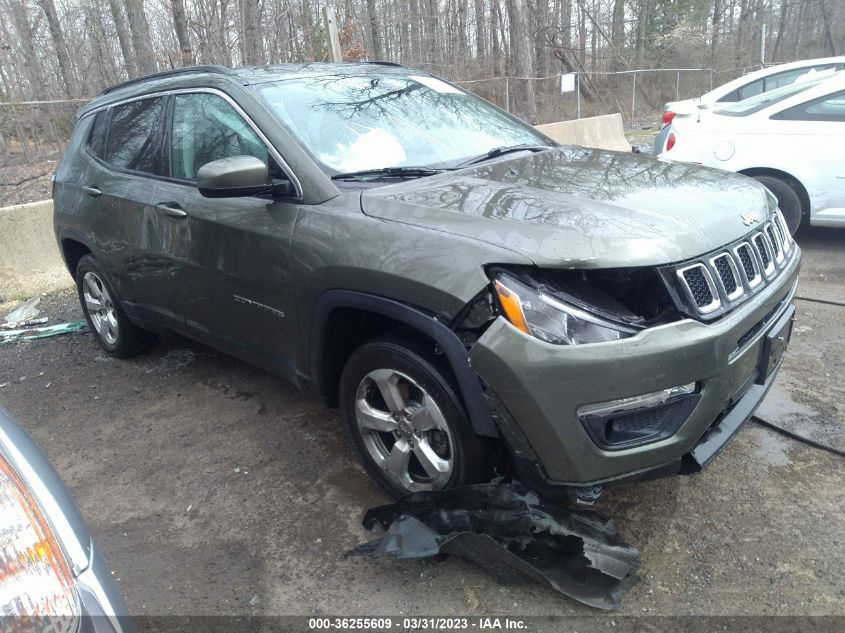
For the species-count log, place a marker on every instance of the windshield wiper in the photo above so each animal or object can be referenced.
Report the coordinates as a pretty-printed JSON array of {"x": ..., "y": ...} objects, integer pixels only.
[
  {"x": 501, "y": 151},
  {"x": 389, "y": 172}
]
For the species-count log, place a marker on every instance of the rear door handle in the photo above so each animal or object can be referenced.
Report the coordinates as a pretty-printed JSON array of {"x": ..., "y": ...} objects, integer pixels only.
[
  {"x": 171, "y": 209},
  {"x": 92, "y": 191}
]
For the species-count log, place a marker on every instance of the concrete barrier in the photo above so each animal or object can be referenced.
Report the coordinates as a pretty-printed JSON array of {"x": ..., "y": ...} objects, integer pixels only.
[
  {"x": 602, "y": 132},
  {"x": 30, "y": 262}
]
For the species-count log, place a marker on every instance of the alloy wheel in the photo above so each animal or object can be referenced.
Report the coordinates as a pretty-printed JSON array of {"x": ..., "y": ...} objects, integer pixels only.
[
  {"x": 100, "y": 307},
  {"x": 404, "y": 431}
]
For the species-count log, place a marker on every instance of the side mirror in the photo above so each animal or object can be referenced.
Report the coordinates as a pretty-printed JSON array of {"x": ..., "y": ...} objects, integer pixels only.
[{"x": 234, "y": 176}]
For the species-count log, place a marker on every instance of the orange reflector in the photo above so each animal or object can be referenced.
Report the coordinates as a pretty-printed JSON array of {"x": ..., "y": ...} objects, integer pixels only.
[{"x": 512, "y": 307}]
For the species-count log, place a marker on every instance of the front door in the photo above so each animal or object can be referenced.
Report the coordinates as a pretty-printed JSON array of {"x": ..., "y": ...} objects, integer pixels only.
[{"x": 234, "y": 255}]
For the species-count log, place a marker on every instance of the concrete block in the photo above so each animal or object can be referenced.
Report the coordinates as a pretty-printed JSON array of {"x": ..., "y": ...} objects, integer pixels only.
[
  {"x": 30, "y": 262},
  {"x": 601, "y": 132}
]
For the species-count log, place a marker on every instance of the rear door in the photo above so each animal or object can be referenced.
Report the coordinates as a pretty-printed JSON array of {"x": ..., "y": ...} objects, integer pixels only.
[
  {"x": 234, "y": 260},
  {"x": 118, "y": 193}
]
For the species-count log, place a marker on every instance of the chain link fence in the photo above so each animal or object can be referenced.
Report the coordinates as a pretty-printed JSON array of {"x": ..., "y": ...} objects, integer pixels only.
[{"x": 638, "y": 95}]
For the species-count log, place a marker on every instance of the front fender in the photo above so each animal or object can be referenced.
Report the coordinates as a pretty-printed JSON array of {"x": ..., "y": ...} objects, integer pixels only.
[{"x": 469, "y": 383}]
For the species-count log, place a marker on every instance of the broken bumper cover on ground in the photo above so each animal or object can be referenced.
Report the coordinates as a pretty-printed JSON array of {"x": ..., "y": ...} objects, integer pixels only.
[
  {"x": 536, "y": 390},
  {"x": 513, "y": 535}
]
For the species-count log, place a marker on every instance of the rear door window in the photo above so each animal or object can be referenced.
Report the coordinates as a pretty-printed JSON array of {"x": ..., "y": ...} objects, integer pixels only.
[
  {"x": 135, "y": 136},
  {"x": 206, "y": 128},
  {"x": 778, "y": 80},
  {"x": 750, "y": 90},
  {"x": 785, "y": 78}
]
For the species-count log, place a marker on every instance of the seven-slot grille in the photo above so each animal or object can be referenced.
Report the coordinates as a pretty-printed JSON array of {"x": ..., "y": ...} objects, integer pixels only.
[{"x": 724, "y": 277}]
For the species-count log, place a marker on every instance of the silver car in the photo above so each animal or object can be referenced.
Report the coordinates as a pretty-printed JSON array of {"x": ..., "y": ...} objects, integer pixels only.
[{"x": 52, "y": 578}]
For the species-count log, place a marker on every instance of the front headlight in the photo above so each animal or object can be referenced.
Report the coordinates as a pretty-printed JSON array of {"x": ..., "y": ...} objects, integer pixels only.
[
  {"x": 36, "y": 585},
  {"x": 548, "y": 316}
]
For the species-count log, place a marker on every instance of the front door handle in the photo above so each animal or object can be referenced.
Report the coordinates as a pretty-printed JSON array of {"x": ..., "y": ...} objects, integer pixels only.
[
  {"x": 93, "y": 191},
  {"x": 171, "y": 209}
]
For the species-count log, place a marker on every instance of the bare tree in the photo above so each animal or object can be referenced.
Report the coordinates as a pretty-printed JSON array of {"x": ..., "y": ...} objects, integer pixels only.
[
  {"x": 525, "y": 103},
  {"x": 717, "y": 26},
  {"x": 139, "y": 28},
  {"x": 416, "y": 39},
  {"x": 180, "y": 22},
  {"x": 828, "y": 34},
  {"x": 375, "y": 29},
  {"x": 62, "y": 53},
  {"x": 617, "y": 36},
  {"x": 432, "y": 51},
  {"x": 123, "y": 38},
  {"x": 27, "y": 46},
  {"x": 252, "y": 49},
  {"x": 480, "y": 30}
]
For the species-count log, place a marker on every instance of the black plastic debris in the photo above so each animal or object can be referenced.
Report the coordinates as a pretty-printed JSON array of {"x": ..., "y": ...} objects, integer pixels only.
[{"x": 512, "y": 534}]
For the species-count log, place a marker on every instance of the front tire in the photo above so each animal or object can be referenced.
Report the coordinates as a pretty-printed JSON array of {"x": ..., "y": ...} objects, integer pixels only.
[
  {"x": 106, "y": 319},
  {"x": 788, "y": 200},
  {"x": 406, "y": 423}
]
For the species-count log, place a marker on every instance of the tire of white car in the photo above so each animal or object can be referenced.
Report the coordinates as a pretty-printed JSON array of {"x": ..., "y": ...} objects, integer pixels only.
[{"x": 788, "y": 200}]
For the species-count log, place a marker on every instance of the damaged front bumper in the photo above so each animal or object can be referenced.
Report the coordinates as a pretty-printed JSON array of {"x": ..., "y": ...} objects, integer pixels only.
[
  {"x": 512, "y": 534},
  {"x": 537, "y": 390}
]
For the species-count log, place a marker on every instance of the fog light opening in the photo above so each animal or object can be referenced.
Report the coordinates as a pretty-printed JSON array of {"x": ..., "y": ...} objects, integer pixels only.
[{"x": 638, "y": 420}]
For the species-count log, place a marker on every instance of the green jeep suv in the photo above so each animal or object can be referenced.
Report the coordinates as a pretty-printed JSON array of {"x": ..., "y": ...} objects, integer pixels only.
[{"x": 474, "y": 297}]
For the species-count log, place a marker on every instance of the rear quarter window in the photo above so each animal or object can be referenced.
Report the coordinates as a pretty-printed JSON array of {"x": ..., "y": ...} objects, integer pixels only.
[
  {"x": 135, "y": 136},
  {"x": 829, "y": 108},
  {"x": 98, "y": 134}
]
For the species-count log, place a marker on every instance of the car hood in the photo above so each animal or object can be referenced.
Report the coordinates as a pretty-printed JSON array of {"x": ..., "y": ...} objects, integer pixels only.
[{"x": 578, "y": 207}]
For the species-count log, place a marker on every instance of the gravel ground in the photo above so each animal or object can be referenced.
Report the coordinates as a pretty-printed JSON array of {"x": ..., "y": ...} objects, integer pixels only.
[{"x": 213, "y": 487}]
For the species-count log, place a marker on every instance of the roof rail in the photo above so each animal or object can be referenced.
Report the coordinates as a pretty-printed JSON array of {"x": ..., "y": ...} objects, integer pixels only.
[
  {"x": 220, "y": 70},
  {"x": 381, "y": 62}
]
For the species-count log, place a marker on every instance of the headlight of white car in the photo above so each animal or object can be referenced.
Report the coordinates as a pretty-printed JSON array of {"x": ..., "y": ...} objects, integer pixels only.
[{"x": 36, "y": 584}]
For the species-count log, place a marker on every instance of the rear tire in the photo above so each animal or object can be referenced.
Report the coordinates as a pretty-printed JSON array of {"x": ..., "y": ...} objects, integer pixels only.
[
  {"x": 105, "y": 316},
  {"x": 405, "y": 420},
  {"x": 788, "y": 200}
]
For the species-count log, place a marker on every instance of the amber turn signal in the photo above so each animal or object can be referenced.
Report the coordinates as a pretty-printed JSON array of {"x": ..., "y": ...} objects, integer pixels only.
[{"x": 512, "y": 307}]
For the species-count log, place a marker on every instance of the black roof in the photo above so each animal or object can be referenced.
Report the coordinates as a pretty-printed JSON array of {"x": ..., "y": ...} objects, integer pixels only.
[{"x": 191, "y": 70}]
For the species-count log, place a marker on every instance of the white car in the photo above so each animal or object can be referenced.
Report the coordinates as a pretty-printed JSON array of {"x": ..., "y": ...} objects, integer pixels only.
[
  {"x": 750, "y": 85},
  {"x": 791, "y": 139}
]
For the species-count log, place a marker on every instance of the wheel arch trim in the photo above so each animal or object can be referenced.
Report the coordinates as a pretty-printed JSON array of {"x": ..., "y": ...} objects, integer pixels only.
[
  {"x": 65, "y": 233},
  {"x": 469, "y": 384}
]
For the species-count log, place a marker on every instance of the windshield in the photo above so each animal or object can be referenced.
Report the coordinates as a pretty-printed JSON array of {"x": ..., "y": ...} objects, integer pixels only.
[
  {"x": 764, "y": 100},
  {"x": 357, "y": 122}
]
